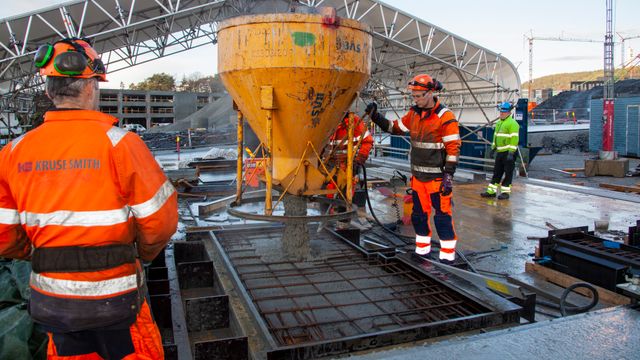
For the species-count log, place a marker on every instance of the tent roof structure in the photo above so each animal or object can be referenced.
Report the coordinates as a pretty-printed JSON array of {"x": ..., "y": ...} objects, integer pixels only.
[{"x": 133, "y": 32}]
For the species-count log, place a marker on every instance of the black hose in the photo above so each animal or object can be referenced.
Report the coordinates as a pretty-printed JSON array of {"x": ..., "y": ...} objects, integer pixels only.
[
  {"x": 364, "y": 175},
  {"x": 373, "y": 214},
  {"x": 564, "y": 309},
  {"x": 578, "y": 309}
]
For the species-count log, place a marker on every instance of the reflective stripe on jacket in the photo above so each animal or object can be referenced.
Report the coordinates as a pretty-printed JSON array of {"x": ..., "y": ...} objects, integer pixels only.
[
  {"x": 79, "y": 181},
  {"x": 435, "y": 140},
  {"x": 506, "y": 135},
  {"x": 339, "y": 139}
]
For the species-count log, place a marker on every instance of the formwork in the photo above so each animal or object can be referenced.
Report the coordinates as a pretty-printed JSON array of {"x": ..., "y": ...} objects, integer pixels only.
[
  {"x": 189, "y": 307},
  {"x": 343, "y": 298}
]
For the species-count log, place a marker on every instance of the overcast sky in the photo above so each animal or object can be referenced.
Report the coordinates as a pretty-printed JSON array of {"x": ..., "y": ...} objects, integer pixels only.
[{"x": 498, "y": 25}]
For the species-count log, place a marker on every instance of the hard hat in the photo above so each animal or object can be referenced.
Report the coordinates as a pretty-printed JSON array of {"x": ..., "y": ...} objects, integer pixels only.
[
  {"x": 70, "y": 57},
  {"x": 505, "y": 107},
  {"x": 424, "y": 82}
]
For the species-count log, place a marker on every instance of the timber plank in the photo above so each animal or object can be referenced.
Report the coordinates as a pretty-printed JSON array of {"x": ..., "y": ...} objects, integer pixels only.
[{"x": 565, "y": 281}]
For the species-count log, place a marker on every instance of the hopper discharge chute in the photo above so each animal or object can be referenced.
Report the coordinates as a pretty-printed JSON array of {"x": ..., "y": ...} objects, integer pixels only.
[{"x": 292, "y": 76}]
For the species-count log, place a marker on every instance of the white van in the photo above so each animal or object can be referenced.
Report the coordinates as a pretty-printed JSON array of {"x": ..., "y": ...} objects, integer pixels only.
[{"x": 137, "y": 128}]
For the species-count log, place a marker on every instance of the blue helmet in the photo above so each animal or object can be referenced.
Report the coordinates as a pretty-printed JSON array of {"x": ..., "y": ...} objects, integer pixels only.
[{"x": 505, "y": 107}]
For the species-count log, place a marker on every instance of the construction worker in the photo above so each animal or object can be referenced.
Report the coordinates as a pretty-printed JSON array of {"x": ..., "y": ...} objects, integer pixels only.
[
  {"x": 435, "y": 147},
  {"x": 86, "y": 202},
  {"x": 337, "y": 150},
  {"x": 339, "y": 140},
  {"x": 505, "y": 144}
]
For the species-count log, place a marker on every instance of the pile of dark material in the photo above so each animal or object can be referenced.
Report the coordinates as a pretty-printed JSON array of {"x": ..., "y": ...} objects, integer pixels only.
[
  {"x": 569, "y": 100},
  {"x": 579, "y": 142},
  {"x": 167, "y": 140}
]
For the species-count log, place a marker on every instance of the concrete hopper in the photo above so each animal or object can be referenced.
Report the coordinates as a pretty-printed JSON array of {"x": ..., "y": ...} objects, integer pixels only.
[{"x": 292, "y": 76}]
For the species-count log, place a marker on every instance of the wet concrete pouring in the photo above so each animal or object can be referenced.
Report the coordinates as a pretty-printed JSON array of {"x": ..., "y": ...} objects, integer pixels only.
[
  {"x": 306, "y": 318},
  {"x": 341, "y": 299}
]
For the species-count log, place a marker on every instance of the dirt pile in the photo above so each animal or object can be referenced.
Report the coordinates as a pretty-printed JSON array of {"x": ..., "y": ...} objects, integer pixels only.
[
  {"x": 553, "y": 145},
  {"x": 570, "y": 100}
]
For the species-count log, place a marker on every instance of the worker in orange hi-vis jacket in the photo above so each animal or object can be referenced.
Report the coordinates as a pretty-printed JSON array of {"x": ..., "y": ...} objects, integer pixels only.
[
  {"x": 86, "y": 202},
  {"x": 338, "y": 144},
  {"x": 435, "y": 148},
  {"x": 361, "y": 136}
]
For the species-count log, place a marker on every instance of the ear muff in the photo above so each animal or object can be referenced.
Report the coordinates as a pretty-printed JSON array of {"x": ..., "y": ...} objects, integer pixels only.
[
  {"x": 43, "y": 55},
  {"x": 70, "y": 63},
  {"x": 437, "y": 85}
]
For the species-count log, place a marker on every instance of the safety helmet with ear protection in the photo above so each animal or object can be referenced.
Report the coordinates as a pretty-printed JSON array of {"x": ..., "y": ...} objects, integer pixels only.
[
  {"x": 70, "y": 57},
  {"x": 424, "y": 82}
]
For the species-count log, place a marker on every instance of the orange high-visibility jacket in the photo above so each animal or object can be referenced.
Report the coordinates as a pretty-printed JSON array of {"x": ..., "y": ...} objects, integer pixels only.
[
  {"x": 339, "y": 139},
  {"x": 435, "y": 140},
  {"x": 74, "y": 185}
]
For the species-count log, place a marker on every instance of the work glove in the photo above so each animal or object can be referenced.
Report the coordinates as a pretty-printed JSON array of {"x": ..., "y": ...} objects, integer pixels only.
[
  {"x": 371, "y": 109},
  {"x": 360, "y": 160},
  {"x": 446, "y": 187},
  {"x": 492, "y": 153},
  {"x": 511, "y": 156}
]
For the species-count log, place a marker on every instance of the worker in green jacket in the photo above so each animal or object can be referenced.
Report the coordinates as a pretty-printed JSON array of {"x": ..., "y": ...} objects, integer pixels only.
[{"x": 505, "y": 144}]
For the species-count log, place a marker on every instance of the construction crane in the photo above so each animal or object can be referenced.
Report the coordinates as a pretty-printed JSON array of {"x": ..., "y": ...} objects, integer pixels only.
[
  {"x": 622, "y": 40},
  {"x": 531, "y": 38},
  {"x": 608, "y": 97},
  {"x": 628, "y": 69}
]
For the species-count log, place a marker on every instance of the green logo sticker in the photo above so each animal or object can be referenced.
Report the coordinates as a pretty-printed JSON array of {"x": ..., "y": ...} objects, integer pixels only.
[{"x": 303, "y": 38}]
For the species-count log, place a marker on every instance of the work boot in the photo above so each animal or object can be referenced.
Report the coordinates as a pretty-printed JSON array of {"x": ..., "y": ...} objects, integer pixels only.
[
  {"x": 488, "y": 195},
  {"x": 446, "y": 262},
  {"x": 419, "y": 258},
  {"x": 503, "y": 196}
]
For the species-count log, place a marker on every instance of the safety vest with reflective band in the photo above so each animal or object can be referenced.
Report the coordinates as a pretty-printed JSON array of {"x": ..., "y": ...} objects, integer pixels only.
[
  {"x": 339, "y": 141},
  {"x": 435, "y": 140},
  {"x": 506, "y": 135},
  {"x": 74, "y": 185}
]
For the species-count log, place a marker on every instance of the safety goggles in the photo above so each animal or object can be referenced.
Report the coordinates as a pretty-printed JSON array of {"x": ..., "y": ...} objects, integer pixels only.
[{"x": 428, "y": 86}]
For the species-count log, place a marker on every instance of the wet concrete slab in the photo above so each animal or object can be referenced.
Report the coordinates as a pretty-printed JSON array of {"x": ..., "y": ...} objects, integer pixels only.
[
  {"x": 494, "y": 233},
  {"x": 605, "y": 334},
  {"x": 484, "y": 224}
]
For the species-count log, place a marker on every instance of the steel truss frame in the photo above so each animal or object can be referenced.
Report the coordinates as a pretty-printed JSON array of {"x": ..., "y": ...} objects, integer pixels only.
[{"x": 132, "y": 32}]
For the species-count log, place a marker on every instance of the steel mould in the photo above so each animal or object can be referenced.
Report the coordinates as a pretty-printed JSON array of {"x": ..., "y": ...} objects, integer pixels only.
[{"x": 348, "y": 299}]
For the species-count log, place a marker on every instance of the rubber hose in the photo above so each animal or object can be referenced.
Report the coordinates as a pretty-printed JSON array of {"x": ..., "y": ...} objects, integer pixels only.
[
  {"x": 563, "y": 298},
  {"x": 373, "y": 214},
  {"x": 578, "y": 309},
  {"x": 364, "y": 175}
]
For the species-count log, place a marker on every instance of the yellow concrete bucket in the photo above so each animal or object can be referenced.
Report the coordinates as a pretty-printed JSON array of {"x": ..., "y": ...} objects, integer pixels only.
[{"x": 293, "y": 76}]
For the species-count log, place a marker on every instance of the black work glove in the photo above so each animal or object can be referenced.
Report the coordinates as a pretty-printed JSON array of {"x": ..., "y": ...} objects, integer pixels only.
[
  {"x": 511, "y": 156},
  {"x": 360, "y": 160},
  {"x": 492, "y": 153},
  {"x": 371, "y": 109},
  {"x": 446, "y": 187},
  {"x": 450, "y": 168}
]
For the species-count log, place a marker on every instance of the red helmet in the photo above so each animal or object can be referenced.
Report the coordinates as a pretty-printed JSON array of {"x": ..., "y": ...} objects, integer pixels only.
[
  {"x": 70, "y": 58},
  {"x": 424, "y": 82}
]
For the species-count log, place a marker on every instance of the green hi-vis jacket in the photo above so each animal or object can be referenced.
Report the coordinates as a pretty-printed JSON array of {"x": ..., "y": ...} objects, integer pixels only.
[{"x": 505, "y": 138}]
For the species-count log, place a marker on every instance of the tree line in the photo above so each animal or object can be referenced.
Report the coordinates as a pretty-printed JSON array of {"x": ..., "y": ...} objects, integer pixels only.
[{"x": 195, "y": 82}]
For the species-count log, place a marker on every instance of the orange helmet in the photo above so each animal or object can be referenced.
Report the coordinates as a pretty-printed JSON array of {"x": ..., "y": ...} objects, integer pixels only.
[
  {"x": 424, "y": 82},
  {"x": 70, "y": 57}
]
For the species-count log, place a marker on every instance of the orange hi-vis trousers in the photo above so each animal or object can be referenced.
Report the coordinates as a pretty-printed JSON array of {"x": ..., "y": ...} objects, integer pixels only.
[
  {"x": 141, "y": 341},
  {"x": 426, "y": 195}
]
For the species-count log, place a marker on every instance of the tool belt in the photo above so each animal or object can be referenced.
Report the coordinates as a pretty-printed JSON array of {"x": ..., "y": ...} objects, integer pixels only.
[{"x": 81, "y": 259}]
